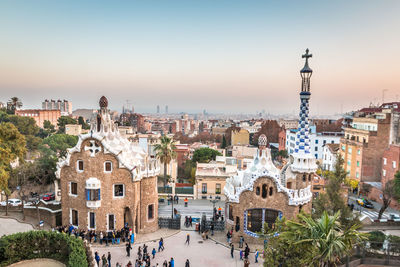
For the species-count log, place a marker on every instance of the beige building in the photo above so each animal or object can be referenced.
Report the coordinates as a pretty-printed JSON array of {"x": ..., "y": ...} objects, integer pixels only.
[
  {"x": 210, "y": 177},
  {"x": 73, "y": 129},
  {"x": 241, "y": 137},
  {"x": 105, "y": 181},
  {"x": 40, "y": 115}
]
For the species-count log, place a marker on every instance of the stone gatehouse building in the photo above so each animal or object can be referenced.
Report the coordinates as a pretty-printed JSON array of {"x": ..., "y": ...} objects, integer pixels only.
[
  {"x": 106, "y": 181},
  {"x": 262, "y": 193}
]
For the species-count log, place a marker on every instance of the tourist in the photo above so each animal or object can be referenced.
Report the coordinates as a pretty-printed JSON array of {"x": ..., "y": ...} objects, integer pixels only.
[
  {"x": 97, "y": 258},
  {"x": 172, "y": 262},
  {"x": 187, "y": 239},
  {"x": 256, "y": 256},
  {"x": 109, "y": 259},
  {"x": 241, "y": 241},
  {"x": 212, "y": 228},
  {"x": 186, "y": 201},
  {"x": 241, "y": 254},
  {"x": 190, "y": 221},
  {"x": 165, "y": 264},
  {"x": 153, "y": 252},
  {"x": 246, "y": 252},
  {"x": 118, "y": 265},
  {"x": 128, "y": 249},
  {"x": 187, "y": 263},
  {"x": 103, "y": 260},
  {"x": 228, "y": 237},
  {"x": 160, "y": 244},
  {"x": 232, "y": 250},
  {"x": 219, "y": 211},
  {"x": 129, "y": 264}
]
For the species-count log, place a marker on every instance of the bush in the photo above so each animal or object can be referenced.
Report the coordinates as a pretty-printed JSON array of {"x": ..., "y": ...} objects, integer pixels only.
[
  {"x": 376, "y": 238},
  {"x": 42, "y": 244}
]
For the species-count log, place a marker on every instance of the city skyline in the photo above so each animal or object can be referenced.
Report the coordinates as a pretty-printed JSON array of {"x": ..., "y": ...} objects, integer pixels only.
[{"x": 225, "y": 57}]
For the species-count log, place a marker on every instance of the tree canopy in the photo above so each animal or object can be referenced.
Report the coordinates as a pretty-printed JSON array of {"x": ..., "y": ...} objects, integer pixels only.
[
  {"x": 205, "y": 154},
  {"x": 59, "y": 143},
  {"x": 64, "y": 120}
]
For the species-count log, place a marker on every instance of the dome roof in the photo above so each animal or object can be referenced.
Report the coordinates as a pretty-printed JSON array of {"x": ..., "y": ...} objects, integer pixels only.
[
  {"x": 103, "y": 102},
  {"x": 262, "y": 140}
]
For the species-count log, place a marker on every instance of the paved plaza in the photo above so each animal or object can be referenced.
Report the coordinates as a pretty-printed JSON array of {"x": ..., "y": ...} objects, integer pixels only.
[
  {"x": 199, "y": 253},
  {"x": 10, "y": 226},
  {"x": 196, "y": 208}
]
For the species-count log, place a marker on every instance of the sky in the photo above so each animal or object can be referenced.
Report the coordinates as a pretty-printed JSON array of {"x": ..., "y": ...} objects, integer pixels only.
[{"x": 221, "y": 56}]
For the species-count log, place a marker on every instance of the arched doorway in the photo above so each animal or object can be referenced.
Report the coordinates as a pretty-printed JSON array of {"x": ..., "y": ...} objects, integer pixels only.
[{"x": 128, "y": 217}]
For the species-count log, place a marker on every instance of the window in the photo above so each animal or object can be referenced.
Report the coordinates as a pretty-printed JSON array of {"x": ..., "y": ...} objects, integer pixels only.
[
  {"x": 304, "y": 178},
  {"x": 357, "y": 175},
  {"x": 73, "y": 190},
  {"x": 264, "y": 191},
  {"x": 271, "y": 191},
  {"x": 74, "y": 217},
  {"x": 324, "y": 142},
  {"x": 119, "y": 190},
  {"x": 111, "y": 222},
  {"x": 92, "y": 194},
  {"x": 316, "y": 148},
  {"x": 204, "y": 188},
  {"x": 254, "y": 220},
  {"x": 257, "y": 190},
  {"x": 316, "y": 156},
  {"x": 358, "y": 151},
  {"x": 349, "y": 162},
  {"x": 394, "y": 164},
  {"x": 309, "y": 177},
  {"x": 350, "y": 150},
  {"x": 150, "y": 212},
  {"x": 384, "y": 161},
  {"x": 384, "y": 172},
  {"x": 358, "y": 163},
  {"x": 343, "y": 148},
  {"x": 79, "y": 165},
  {"x": 332, "y": 142},
  {"x": 92, "y": 220},
  {"x": 316, "y": 141},
  {"x": 108, "y": 166},
  {"x": 289, "y": 185},
  {"x": 217, "y": 188}
]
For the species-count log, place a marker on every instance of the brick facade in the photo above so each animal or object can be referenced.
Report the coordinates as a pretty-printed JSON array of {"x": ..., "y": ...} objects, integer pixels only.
[{"x": 131, "y": 208}]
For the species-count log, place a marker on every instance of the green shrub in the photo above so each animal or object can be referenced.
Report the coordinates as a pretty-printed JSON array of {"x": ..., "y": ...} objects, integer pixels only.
[
  {"x": 376, "y": 238},
  {"x": 42, "y": 244}
]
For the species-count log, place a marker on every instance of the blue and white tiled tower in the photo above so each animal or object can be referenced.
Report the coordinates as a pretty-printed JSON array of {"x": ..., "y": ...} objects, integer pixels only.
[{"x": 303, "y": 160}]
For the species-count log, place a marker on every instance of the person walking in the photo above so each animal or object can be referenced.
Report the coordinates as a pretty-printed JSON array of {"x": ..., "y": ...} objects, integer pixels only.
[
  {"x": 256, "y": 256},
  {"x": 172, "y": 262},
  {"x": 241, "y": 241},
  {"x": 241, "y": 254},
  {"x": 232, "y": 250},
  {"x": 128, "y": 249},
  {"x": 187, "y": 263},
  {"x": 165, "y": 264},
  {"x": 212, "y": 228},
  {"x": 118, "y": 265},
  {"x": 160, "y": 244},
  {"x": 109, "y": 259},
  {"x": 103, "y": 260},
  {"x": 187, "y": 239},
  {"x": 153, "y": 252},
  {"x": 97, "y": 258},
  {"x": 246, "y": 252}
]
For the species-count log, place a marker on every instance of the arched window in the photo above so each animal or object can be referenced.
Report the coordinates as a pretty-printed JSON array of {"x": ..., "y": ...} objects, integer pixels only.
[
  {"x": 264, "y": 191},
  {"x": 271, "y": 190},
  {"x": 257, "y": 190},
  {"x": 304, "y": 178},
  {"x": 309, "y": 177}
]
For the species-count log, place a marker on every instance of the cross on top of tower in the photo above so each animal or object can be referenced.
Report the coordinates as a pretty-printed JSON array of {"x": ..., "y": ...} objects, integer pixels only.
[
  {"x": 306, "y": 68},
  {"x": 306, "y": 55}
]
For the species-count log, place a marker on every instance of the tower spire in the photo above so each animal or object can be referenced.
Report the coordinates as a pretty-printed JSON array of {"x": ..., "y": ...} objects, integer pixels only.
[{"x": 304, "y": 161}]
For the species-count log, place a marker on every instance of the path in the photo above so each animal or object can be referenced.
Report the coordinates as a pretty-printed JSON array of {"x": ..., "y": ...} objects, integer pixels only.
[
  {"x": 10, "y": 226},
  {"x": 207, "y": 253}
]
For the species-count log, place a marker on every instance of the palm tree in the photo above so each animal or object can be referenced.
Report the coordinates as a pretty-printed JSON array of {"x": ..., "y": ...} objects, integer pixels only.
[
  {"x": 15, "y": 103},
  {"x": 165, "y": 151},
  {"x": 325, "y": 237}
]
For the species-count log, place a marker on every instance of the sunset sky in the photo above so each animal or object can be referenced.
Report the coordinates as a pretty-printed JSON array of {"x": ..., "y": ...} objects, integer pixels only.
[{"x": 222, "y": 56}]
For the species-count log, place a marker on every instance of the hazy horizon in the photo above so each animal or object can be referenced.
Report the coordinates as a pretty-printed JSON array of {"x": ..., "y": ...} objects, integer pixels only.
[{"x": 222, "y": 56}]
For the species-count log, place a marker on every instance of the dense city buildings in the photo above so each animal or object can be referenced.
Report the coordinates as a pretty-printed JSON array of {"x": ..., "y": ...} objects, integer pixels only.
[{"x": 106, "y": 181}]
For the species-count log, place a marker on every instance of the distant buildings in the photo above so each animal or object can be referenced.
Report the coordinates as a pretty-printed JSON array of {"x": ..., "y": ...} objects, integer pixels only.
[
  {"x": 240, "y": 137},
  {"x": 330, "y": 153},
  {"x": 40, "y": 115},
  {"x": 64, "y": 106}
]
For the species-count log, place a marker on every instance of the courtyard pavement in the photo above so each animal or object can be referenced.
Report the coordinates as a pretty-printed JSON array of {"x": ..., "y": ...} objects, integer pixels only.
[
  {"x": 10, "y": 226},
  {"x": 200, "y": 253}
]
